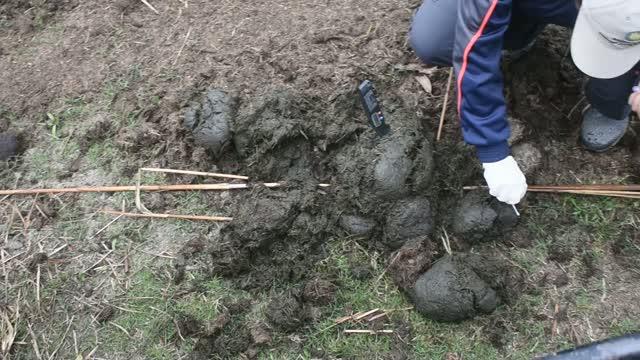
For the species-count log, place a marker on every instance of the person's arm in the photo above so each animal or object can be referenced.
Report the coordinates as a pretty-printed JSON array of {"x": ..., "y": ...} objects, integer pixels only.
[
  {"x": 477, "y": 54},
  {"x": 480, "y": 30}
]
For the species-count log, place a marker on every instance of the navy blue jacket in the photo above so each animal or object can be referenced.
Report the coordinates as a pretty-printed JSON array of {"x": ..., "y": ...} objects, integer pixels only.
[{"x": 481, "y": 27}]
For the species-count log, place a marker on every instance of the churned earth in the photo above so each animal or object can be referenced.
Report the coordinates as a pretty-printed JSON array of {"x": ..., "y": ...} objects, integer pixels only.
[{"x": 92, "y": 91}]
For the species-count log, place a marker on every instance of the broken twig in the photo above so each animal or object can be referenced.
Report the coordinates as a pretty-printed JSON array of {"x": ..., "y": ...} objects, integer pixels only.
[
  {"x": 96, "y": 189},
  {"x": 198, "y": 173},
  {"x": 444, "y": 105},
  {"x": 169, "y": 216},
  {"x": 364, "y": 315},
  {"x": 98, "y": 262},
  {"x": 186, "y": 38},
  {"x": 150, "y": 6}
]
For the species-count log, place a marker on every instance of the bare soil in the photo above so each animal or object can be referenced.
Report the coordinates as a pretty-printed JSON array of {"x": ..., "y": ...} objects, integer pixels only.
[{"x": 276, "y": 81}]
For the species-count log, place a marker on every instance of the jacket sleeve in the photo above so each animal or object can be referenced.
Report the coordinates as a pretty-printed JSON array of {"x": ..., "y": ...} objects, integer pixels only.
[{"x": 477, "y": 53}]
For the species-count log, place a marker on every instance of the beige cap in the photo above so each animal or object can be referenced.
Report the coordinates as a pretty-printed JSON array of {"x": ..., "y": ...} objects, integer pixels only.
[{"x": 606, "y": 38}]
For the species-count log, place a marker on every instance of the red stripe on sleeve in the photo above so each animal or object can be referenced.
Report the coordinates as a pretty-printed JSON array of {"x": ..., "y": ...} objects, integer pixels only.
[{"x": 467, "y": 50}]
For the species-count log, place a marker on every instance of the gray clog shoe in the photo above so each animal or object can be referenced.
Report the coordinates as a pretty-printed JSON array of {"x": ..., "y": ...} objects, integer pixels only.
[{"x": 600, "y": 133}]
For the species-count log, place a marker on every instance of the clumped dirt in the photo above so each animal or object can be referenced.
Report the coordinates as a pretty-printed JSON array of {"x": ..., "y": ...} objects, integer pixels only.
[
  {"x": 461, "y": 286},
  {"x": 566, "y": 245},
  {"x": 210, "y": 121},
  {"x": 409, "y": 262},
  {"x": 319, "y": 291},
  {"x": 227, "y": 340},
  {"x": 480, "y": 217},
  {"x": 283, "y": 108},
  {"x": 452, "y": 291},
  {"x": 287, "y": 312},
  {"x": 278, "y": 233},
  {"x": 8, "y": 146}
]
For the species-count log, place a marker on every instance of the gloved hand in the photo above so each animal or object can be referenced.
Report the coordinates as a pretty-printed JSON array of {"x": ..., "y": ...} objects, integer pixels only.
[{"x": 505, "y": 179}]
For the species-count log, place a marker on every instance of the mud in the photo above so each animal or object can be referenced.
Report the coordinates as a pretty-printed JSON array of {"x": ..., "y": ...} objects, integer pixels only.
[
  {"x": 357, "y": 225},
  {"x": 499, "y": 273},
  {"x": 452, "y": 291},
  {"x": 258, "y": 221},
  {"x": 479, "y": 217},
  {"x": 396, "y": 165},
  {"x": 276, "y": 233},
  {"x": 294, "y": 118},
  {"x": 8, "y": 146},
  {"x": 210, "y": 121},
  {"x": 462, "y": 286},
  {"x": 408, "y": 219},
  {"x": 381, "y": 189},
  {"x": 286, "y": 312}
]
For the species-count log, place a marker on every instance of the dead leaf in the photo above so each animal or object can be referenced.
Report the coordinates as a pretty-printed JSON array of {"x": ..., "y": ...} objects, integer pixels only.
[{"x": 425, "y": 83}]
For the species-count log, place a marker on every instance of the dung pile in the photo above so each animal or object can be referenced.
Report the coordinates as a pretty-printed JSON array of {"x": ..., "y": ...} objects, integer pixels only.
[
  {"x": 463, "y": 285},
  {"x": 381, "y": 190},
  {"x": 451, "y": 291}
]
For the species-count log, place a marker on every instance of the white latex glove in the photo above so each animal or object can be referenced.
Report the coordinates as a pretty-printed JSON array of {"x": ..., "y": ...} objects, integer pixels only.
[{"x": 505, "y": 179}]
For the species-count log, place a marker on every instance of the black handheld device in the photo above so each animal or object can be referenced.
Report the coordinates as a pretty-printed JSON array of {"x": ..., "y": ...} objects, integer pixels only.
[{"x": 372, "y": 108}]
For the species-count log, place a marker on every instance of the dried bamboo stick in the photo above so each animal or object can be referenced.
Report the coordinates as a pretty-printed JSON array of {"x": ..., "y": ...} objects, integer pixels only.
[
  {"x": 611, "y": 187},
  {"x": 592, "y": 192},
  {"x": 576, "y": 189},
  {"x": 175, "y": 187},
  {"x": 619, "y": 194},
  {"x": 169, "y": 216},
  {"x": 198, "y": 173},
  {"x": 444, "y": 105},
  {"x": 365, "y": 314}
]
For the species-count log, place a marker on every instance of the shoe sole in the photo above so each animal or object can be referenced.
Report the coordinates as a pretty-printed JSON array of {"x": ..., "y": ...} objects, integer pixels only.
[{"x": 604, "y": 149}]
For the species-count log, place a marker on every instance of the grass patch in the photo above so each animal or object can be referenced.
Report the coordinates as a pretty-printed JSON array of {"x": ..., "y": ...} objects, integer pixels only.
[
  {"x": 50, "y": 162},
  {"x": 624, "y": 327},
  {"x": 430, "y": 339},
  {"x": 69, "y": 113},
  {"x": 104, "y": 155},
  {"x": 154, "y": 303}
]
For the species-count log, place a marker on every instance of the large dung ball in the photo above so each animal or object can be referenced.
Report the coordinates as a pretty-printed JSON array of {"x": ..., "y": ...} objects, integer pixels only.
[
  {"x": 357, "y": 225},
  {"x": 452, "y": 291},
  {"x": 404, "y": 163},
  {"x": 480, "y": 217},
  {"x": 210, "y": 121},
  {"x": 408, "y": 219}
]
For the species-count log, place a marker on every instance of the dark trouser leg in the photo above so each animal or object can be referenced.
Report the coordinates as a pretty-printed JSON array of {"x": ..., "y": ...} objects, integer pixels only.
[
  {"x": 610, "y": 96},
  {"x": 521, "y": 33},
  {"x": 529, "y": 18},
  {"x": 433, "y": 31}
]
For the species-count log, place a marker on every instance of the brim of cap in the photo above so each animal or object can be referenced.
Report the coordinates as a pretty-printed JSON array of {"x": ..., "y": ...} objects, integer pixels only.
[{"x": 594, "y": 57}]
